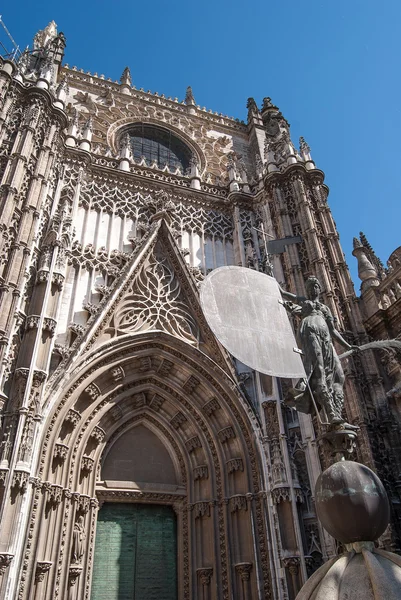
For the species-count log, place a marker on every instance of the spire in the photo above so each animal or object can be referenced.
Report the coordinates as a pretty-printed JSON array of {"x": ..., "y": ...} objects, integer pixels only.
[
  {"x": 268, "y": 104},
  {"x": 304, "y": 150},
  {"x": 125, "y": 152},
  {"x": 44, "y": 36},
  {"x": 253, "y": 111},
  {"x": 189, "y": 97},
  {"x": 61, "y": 93},
  {"x": 279, "y": 149},
  {"x": 126, "y": 77},
  {"x": 126, "y": 81},
  {"x": 366, "y": 270},
  {"x": 375, "y": 260},
  {"x": 85, "y": 143}
]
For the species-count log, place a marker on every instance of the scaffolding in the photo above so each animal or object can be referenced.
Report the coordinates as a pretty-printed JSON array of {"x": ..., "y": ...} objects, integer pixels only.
[{"x": 8, "y": 47}]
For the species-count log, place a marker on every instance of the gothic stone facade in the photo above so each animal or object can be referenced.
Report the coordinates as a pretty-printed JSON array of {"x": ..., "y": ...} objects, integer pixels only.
[{"x": 115, "y": 203}]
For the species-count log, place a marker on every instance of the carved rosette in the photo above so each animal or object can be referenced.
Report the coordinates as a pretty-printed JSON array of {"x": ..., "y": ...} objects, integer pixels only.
[
  {"x": 5, "y": 561},
  {"x": 42, "y": 568}
]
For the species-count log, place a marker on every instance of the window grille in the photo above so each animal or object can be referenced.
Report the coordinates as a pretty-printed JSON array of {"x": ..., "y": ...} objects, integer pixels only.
[{"x": 159, "y": 146}]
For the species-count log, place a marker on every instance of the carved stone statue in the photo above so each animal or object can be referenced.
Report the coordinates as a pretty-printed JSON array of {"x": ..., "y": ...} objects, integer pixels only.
[
  {"x": 78, "y": 541},
  {"x": 325, "y": 377}
]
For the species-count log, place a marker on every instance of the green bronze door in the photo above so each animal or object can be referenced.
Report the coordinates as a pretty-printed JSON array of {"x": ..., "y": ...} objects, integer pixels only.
[{"x": 135, "y": 553}]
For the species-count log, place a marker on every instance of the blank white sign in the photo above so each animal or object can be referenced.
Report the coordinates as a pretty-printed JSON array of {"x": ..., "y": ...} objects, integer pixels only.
[{"x": 243, "y": 310}]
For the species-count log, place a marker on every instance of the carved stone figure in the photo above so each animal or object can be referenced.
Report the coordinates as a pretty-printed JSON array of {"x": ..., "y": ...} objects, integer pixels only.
[
  {"x": 78, "y": 541},
  {"x": 325, "y": 377}
]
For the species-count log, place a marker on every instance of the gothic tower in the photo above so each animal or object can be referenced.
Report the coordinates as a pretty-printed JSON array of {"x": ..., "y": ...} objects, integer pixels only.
[{"x": 136, "y": 455}]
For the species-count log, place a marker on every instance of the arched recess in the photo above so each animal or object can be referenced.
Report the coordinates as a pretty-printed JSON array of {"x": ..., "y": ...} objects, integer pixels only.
[{"x": 195, "y": 410}]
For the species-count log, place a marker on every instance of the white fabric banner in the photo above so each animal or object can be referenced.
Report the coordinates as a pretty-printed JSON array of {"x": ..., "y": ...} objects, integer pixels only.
[{"x": 242, "y": 308}]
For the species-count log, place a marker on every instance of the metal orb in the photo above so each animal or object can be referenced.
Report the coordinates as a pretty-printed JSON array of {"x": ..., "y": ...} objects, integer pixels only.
[{"x": 351, "y": 502}]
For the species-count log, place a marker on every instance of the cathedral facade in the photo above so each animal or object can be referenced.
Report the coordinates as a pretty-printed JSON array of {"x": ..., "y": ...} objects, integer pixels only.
[{"x": 138, "y": 459}]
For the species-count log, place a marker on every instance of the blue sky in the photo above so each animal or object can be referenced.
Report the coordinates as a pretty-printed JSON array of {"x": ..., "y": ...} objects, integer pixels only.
[{"x": 333, "y": 68}]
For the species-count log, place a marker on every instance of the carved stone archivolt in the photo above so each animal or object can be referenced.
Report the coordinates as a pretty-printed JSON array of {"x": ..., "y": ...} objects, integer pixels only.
[
  {"x": 158, "y": 388},
  {"x": 42, "y": 567}
]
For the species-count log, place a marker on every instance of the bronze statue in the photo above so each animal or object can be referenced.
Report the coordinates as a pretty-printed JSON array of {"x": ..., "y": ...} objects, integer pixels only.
[{"x": 325, "y": 376}]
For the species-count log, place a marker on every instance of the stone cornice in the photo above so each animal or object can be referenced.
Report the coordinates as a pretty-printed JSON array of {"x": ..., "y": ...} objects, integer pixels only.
[
  {"x": 297, "y": 170},
  {"x": 33, "y": 90}
]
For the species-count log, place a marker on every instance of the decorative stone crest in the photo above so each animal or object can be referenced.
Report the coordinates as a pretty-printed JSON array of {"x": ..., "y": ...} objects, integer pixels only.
[
  {"x": 156, "y": 402},
  {"x": 201, "y": 472},
  {"x": 20, "y": 480},
  {"x": 201, "y": 509},
  {"x": 191, "y": 384},
  {"x": 72, "y": 417},
  {"x": 193, "y": 443},
  {"x": 205, "y": 575},
  {"x": 73, "y": 574},
  {"x": 98, "y": 434},
  {"x": 87, "y": 464},
  {"x": 235, "y": 464},
  {"x": 93, "y": 391},
  {"x": 60, "y": 452},
  {"x": 42, "y": 568},
  {"x": 117, "y": 373},
  {"x": 5, "y": 561},
  {"x": 244, "y": 570},
  {"x": 238, "y": 502},
  {"x": 178, "y": 420},
  {"x": 226, "y": 434},
  {"x": 211, "y": 406}
]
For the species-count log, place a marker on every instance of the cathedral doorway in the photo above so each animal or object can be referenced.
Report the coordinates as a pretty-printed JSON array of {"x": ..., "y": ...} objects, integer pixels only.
[{"x": 135, "y": 555}]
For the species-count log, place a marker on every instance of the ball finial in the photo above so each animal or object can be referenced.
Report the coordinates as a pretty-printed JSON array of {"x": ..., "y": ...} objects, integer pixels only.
[{"x": 352, "y": 503}]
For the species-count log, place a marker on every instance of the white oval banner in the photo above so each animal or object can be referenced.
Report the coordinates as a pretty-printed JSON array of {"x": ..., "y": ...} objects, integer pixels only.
[{"x": 242, "y": 308}]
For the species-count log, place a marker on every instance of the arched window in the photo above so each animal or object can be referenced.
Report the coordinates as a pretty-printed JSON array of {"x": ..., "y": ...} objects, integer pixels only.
[{"x": 159, "y": 145}]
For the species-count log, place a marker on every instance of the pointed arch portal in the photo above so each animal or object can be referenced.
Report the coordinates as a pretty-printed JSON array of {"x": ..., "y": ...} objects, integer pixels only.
[{"x": 146, "y": 431}]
